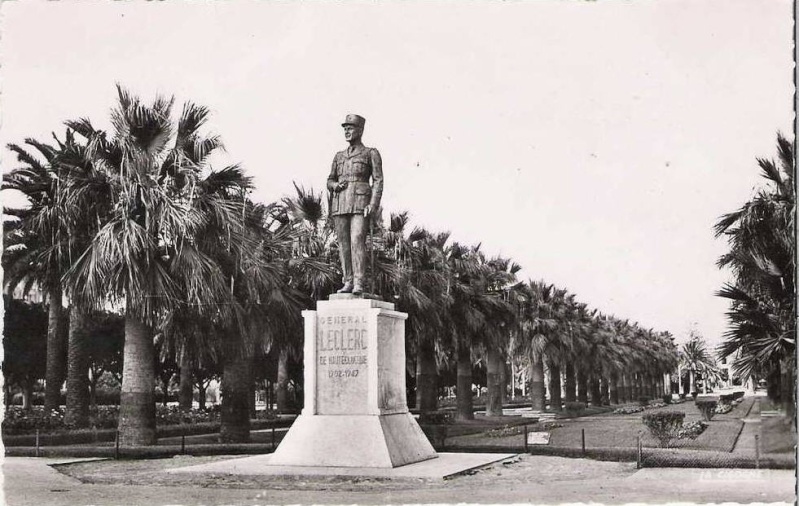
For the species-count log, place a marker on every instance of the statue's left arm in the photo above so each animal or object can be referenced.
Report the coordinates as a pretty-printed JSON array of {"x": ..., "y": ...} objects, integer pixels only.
[{"x": 377, "y": 179}]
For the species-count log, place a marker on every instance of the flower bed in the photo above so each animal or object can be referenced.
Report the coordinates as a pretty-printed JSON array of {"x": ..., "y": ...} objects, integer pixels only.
[
  {"x": 723, "y": 408},
  {"x": 691, "y": 430},
  {"x": 628, "y": 410}
]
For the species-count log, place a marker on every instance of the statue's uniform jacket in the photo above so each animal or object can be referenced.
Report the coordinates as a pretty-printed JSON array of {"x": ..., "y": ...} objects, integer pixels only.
[{"x": 356, "y": 168}]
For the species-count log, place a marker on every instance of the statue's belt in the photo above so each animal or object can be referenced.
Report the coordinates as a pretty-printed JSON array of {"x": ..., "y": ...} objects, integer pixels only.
[{"x": 349, "y": 180}]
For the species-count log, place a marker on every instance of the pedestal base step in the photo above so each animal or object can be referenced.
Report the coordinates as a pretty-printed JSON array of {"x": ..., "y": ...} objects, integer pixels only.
[
  {"x": 382, "y": 441},
  {"x": 446, "y": 465}
]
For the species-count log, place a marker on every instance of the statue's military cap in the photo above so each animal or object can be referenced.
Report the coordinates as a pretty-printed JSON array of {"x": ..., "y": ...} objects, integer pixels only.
[{"x": 355, "y": 120}]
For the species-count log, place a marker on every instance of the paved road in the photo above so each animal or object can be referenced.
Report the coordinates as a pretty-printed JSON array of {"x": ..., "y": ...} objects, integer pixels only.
[{"x": 32, "y": 482}]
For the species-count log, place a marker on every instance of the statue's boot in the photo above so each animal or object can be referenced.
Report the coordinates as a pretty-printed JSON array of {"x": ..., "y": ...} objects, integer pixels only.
[
  {"x": 347, "y": 288},
  {"x": 357, "y": 289}
]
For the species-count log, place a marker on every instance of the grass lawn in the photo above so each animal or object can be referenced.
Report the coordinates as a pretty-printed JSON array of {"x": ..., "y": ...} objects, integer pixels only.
[
  {"x": 778, "y": 435},
  {"x": 621, "y": 431}
]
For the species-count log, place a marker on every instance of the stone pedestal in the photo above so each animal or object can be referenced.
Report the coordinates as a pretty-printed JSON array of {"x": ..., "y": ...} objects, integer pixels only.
[{"x": 355, "y": 412}]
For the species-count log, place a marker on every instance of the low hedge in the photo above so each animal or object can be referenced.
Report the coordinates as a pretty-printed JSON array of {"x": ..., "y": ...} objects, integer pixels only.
[
  {"x": 574, "y": 407},
  {"x": 88, "y": 436},
  {"x": 140, "y": 452},
  {"x": 706, "y": 459},
  {"x": 436, "y": 418}
]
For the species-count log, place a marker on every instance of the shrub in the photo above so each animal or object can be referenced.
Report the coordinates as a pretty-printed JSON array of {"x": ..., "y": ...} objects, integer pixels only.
[
  {"x": 738, "y": 395},
  {"x": 726, "y": 398},
  {"x": 21, "y": 421},
  {"x": 664, "y": 425},
  {"x": 707, "y": 407},
  {"x": 667, "y": 399},
  {"x": 694, "y": 394},
  {"x": 574, "y": 408},
  {"x": 644, "y": 400}
]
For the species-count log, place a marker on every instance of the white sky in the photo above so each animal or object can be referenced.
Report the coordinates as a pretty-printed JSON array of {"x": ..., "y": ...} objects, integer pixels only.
[{"x": 595, "y": 143}]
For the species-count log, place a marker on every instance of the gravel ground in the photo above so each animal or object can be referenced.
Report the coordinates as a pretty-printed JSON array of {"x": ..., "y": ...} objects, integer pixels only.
[
  {"x": 530, "y": 479},
  {"x": 524, "y": 468}
]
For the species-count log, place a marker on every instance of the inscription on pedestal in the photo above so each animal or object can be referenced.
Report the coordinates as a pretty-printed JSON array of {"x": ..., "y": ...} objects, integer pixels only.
[{"x": 342, "y": 344}]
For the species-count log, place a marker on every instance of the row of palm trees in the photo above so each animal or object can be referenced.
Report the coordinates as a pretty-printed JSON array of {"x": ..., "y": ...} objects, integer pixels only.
[
  {"x": 761, "y": 338},
  {"x": 136, "y": 220}
]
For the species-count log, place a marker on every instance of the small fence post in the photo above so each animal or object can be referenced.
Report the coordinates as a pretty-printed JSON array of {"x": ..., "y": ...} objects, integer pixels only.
[
  {"x": 183, "y": 444},
  {"x": 526, "y": 448},
  {"x": 116, "y": 446},
  {"x": 640, "y": 450},
  {"x": 583, "y": 441},
  {"x": 273, "y": 436},
  {"x": 757, "y": 451},
  {"x": 37, "y": 442}
]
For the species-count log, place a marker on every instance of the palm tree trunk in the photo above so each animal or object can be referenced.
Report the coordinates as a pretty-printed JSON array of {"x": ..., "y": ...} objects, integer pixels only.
[
  {"x": 185, "y": 400},
  {"x": 582, "y": 386},
  {"x": 537, "y": 390},
  {"x": 614, "y": 389},
  {"x": 596, "y": 395},
  {"x": 54, "y": 373},
  {"x": 494, "y": 365},
  {"x": 283, "y": 380},
  {"x": 77, "y": 412},
  {"x": 463, "y": 394},
  {"x": 93, "y": 388},
  {"x": 253, "y": 393},
  {"x": 634, "y": 389},
  {"x": 787, "y": 388},
  {"x": 624, "y": 391},
  {"x": 426, "y": 377},
  {"x": 555, "y": 401},
  {"x": 503, "y": 381},
  {"x": 202, "y": 393},
  {"x": 691, "y": 382},
  {"x": 165, "y": 387},
  {"x": 27, "y": 394},
  {"x": 236, "y": 384},
  {"x": 570, "y": 385},
  {"x": 604, "y": 388},
  {"x": 137, "y": 399}
]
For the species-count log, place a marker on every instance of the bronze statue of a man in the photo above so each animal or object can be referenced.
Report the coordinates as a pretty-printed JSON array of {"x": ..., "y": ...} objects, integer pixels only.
[{"x": 354, "y": 201}]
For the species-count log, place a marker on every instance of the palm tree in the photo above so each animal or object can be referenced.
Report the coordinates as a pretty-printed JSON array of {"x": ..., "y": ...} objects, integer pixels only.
[
  {"x": 762, "y": 257},
  {"x": 561, "y": 347},
  {"x": 696, "y": 359},
  {"x": 426, "y": 328},
  {"x": 538, "y": 327},
  {"x": 312, "y": 268},
  {"x": 35, "y": 252},
  {"x": 411, "y": 269},
  {"x": 500, "y": 323},
  {"x": 144, "y": 254}
]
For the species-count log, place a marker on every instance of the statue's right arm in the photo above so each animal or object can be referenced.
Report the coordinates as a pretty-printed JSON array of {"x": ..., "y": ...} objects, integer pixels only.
[{"x": 332, "y": 179}]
